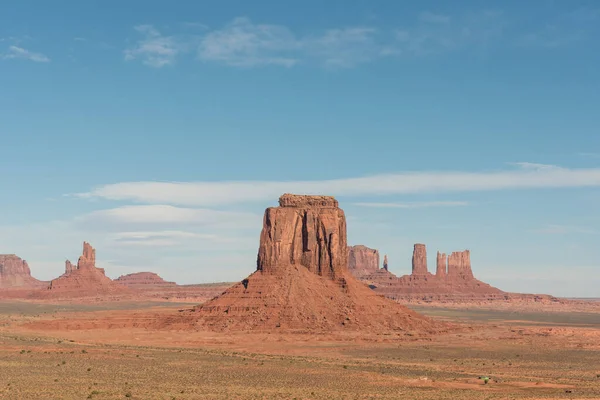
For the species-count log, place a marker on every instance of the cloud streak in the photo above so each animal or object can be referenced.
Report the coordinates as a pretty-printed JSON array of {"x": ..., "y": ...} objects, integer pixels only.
[
  {"x": 167, "y": 238},
  {"x": 164, "y": 215},
  {"x": 243, "y": 43},
  {"x": 154, "y": 49},
  {"x": 423, "y": 204},
  {"x": 527, "y": 176},
  {"x": 15, "y": 52},
  {"x": 564, "y": 229}
]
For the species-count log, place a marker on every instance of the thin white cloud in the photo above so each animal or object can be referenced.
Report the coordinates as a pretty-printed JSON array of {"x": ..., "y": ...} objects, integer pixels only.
[
  {"x": 154, "y": 49},
  {"x": 242, "y": 43},
  {"x": 15, "y": 52},
  {"x": 230, "y": 192},
  {"x": 592, "y": 155},
  {"x": 565, "y": 229},
  {"x": 551, "y": 36},
  {"x": 159, "y": 214},
  {"x": 437, "y": 33},
  {"x": 346, "y": 47},
  {"x": 165, "y": 238},
  {"x": 422, "y": 204},
  {"x": 434, "y": 18},
  {"x": 533, "y": 166}
]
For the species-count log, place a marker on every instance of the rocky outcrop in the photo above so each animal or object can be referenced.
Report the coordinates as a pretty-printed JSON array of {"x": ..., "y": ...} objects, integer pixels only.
[
  {"x": 453, "y": 281},
  {"x": 362, "y": 260},
  {"x": 304, "y": 230},
  {"x": 144, "y": 280},
  {"x": 88, "y": 258},
  {"x": 69, "y": 267},
  {"x": 385, "y": 262},
  {"x": 419, "y": 260},
  {"x": 84, "y": 279},
  {"x": 15, "y": 273},
  {"x": 302, "y": 280},
  {"x": 442, "y": 265},
  {"x": 459, "y": 265}
]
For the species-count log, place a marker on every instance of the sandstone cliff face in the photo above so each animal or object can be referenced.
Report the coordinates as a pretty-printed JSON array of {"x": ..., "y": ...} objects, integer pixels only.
[
  {"x": 15, "y": 272},
  {"x": 419, "y": 260},
  {"x": 362, "y": 260},
  {"x": 459, "y": 265},
  {"x": 304, "y": 230},
  {"x": 302, "y": 279},
  {"x": 144, "y": 280},
  {"x": 442, "y": 263}
]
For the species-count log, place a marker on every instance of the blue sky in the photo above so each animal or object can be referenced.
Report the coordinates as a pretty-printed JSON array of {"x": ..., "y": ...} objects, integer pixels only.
[{"x": 159, "y": 132}]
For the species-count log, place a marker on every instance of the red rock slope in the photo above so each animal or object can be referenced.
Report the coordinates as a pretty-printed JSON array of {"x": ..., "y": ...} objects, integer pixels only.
[
  {"x": 302, "y": 280},
  {"x": 84, "y": 279}
]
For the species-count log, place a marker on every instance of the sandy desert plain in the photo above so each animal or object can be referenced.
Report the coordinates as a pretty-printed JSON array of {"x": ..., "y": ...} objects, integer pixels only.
[{"x": 299, "y": 327}]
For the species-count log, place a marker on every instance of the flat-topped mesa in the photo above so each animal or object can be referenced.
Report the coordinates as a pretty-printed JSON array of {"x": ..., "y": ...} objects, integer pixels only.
[
  {"x": 419, "y": 260},
  {"x": 304, "y": 201},
  {"x": 442, "y": 265},
  {"x": 143, "y": 279},
  {"x": 362, "y": 260},
  {"x": 305, "y": 230},
  {"x": 15, "y": 272},
  {"x": 459, "y": 265},
  {"x": 88, "y": 258},
  {"x": 385, "y": 262}
]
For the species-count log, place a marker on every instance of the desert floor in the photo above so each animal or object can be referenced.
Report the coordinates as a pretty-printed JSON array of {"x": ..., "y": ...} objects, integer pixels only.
[{"x": 107, "y": 351}]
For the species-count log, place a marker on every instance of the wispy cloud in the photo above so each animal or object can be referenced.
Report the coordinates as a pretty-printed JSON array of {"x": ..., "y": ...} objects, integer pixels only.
[
  {"x": 433, "y": 18},
  {"x": 167, "y": 238},
  {"x": 551, "y": 36},
  {"x": 437, "y": 33},
  {"x": 154, "y": 49},
  {"x": 533, "y": 166},
  {"x": 226, "y": 192},
  {"x": 591, "y": 155},
  {"x": 15, "y": 52},
  {"x": 165, "y": 215},
  {"x": 422, "y": 204},
  {"x": 242, "y": 43},
  {"x": 564, "y": 229}
]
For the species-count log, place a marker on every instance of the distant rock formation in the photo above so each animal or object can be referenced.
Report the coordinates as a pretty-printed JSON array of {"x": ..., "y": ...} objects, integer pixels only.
[
  {"x": 419, "y": 260},
  {"x": 144, "y": 280},
  {"x": 362, "y": 260},
  {"x": 385, "y": 262},
  {"x": 15, "y": 273},
  {"x": 84, "y": 279},
  {"x": 453, "y": 279},
  {"x": 459, "y": 265},
  {"x": 302, "y": 279}
]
